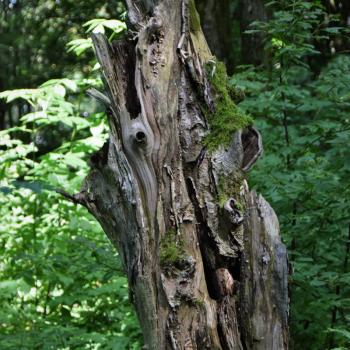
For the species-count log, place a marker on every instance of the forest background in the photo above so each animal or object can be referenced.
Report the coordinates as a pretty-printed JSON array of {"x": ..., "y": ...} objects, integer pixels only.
[{"x": 61, "y": 283}]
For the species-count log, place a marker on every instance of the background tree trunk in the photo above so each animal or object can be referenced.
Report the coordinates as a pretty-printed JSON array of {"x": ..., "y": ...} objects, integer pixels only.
[
  {"x": 224, "y": 24},
  {"x": 221, "y": 29},
  {"x": 252, "y": 45},
  {"x": 203, "y": 256}
]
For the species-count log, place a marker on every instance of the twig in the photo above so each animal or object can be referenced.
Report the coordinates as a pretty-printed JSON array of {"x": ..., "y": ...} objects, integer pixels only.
[{"x": 78, "y": 198}]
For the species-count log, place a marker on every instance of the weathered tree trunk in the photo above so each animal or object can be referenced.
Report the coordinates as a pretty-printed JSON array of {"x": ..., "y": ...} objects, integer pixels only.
[{"x": 203, "y": 256}]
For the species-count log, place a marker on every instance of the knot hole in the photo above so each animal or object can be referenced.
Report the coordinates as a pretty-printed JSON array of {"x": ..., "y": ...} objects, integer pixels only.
[{"x": 140, "y": 136}]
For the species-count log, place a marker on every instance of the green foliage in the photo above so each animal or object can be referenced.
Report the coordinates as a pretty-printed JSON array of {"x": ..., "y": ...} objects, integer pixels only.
[
  {"x": 301, "y": 104},
  {"x": 34, "y": 35},
  {"x": 61, "y": 284},
  {"x": 61, "y": 281},
  {"x": 227, "y": 117},
  {"x": 81, "y": 45}
]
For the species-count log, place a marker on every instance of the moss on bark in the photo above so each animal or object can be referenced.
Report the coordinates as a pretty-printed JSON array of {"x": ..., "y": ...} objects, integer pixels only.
[
  {"x": 171, "y": 249},
  {"x": 227, "y": 117}
]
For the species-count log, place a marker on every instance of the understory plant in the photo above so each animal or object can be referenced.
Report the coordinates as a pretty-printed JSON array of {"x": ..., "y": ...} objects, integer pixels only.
[
  {"x": 301, "y": 103},
  {"x": 61, "y": 282}
]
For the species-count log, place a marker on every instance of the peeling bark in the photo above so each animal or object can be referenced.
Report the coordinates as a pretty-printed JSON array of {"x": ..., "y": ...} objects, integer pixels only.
[{"x": 205, "y": 265}]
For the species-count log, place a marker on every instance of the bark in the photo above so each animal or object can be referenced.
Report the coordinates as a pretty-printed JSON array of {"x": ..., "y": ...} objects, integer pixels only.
[{"x": 203, "y": 257}]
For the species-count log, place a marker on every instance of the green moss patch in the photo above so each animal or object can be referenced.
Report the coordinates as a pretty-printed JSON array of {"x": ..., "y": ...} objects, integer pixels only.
[
  {"x": 230, "y": 187},
  {"x": 172, "y": 251},
  {"x": 228, "y": 117}
]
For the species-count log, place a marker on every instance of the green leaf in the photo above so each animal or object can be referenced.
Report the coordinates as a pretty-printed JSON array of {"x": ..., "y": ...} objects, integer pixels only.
[
  {"x": 26, "y": 94},
  {"x": 74, "y": 160},
  {"x": 342, "y": 332},
  {"x": 79, "y": 46},
  {"x": 69, "y": 84}
]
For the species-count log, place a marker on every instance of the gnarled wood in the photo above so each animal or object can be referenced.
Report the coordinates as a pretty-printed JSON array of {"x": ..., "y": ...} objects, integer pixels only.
[{"x": 205, "y": 269}]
